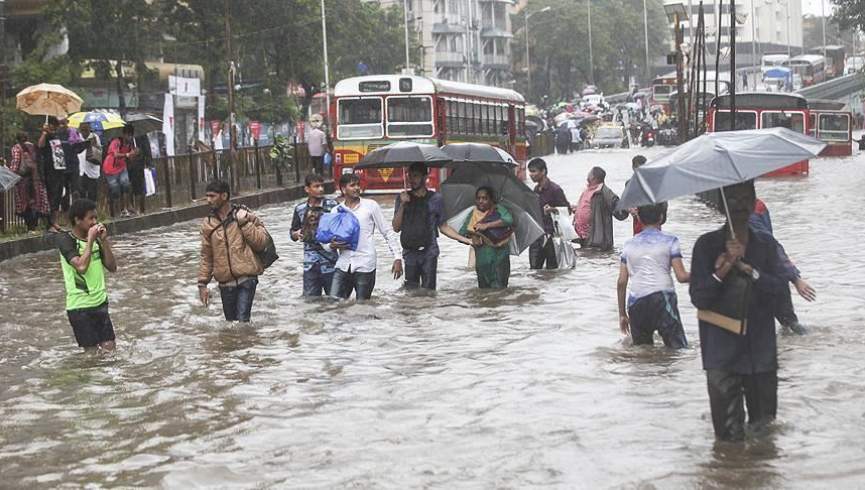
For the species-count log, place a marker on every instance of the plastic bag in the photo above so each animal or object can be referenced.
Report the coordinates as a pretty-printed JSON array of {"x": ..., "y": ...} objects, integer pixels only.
[
  {"x": 149, "y": 181},
  {"x": 564, "y": 224},
  {"x": 565, "y": 255},
  {"x": 341, "y": 226},
  {"x": 8, "y": 179}
]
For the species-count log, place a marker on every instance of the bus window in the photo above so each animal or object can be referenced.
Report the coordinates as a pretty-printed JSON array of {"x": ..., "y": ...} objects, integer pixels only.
[
  {"x": 521, "y": 122},
  {"x": 790, "y": 120},
  {"x": 834, "y": 127},
  {"x": 661, "y": 93},
  {"x": 488, "y": 118},
  {"x": 478, "y": 120},
  {"x": 744, "y": 120},
  {"x": 409, "y": 116},
  {"x": 498, "y": 120},
  {"x": 812, "y": 124},
  {"x": 360, "y": 118},
  {"x": 462, "y": 124},
  {"x": 506, "y": 118},
  {"x": 451, "y": 116}
]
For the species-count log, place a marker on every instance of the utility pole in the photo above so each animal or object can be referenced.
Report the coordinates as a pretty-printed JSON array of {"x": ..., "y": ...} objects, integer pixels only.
[
  {"x": 232, "y": 131},
  {"x": 733, "y": 65},
  {"x": 591, "y": 59},
  {"x": 405, "y": 9},
  {"x": 326, "y": 65},
  {"x": 754, "y": 36},
  {"x": 646, "y": 38},
  {"x": 4, "y": 74},
  {"x": 823, "y": 18},
  {"x": 681, "y": 117},
  {"x": 789, "y": 49}
]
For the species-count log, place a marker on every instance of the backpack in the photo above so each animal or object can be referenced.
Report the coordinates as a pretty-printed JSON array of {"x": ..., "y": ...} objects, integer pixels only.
[
  {"x": 267, "y": 256},
  {"x": 415, "y": 233}
]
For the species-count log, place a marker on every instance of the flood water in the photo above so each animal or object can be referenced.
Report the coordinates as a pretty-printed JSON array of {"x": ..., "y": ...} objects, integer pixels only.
[{"x": 522, "y": 388}]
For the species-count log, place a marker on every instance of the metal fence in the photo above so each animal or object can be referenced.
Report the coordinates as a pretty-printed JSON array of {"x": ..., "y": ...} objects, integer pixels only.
[{"x": 180, "y": 180}]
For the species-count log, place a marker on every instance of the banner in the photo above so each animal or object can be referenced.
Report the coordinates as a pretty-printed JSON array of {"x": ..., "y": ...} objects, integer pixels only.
[
  {"x": 255, "y": 129},
  {"x": 201, "y": 123},
  {"x": 168, "y": 124},
  {"x": 184, "y": 87}
]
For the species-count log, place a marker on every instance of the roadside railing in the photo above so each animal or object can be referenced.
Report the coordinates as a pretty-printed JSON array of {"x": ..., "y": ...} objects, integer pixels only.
[{"x": 181, "y": 180}]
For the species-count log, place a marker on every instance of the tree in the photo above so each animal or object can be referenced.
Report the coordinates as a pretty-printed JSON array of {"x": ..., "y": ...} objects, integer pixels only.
[
  {"x": 850, "y": 14},
  {"x": 559, "y": 40}
]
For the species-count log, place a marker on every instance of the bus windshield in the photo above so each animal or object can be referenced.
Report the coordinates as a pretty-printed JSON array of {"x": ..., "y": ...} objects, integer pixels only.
[
  {"x": 744, "y": 120},
  {"x": 409, "y": 116},
  {"x": 359, "y": 118},
  {"x": 662, "y": 92},
  {"x": 790, "y": 120},
  {"x": 834, "y": 127}
]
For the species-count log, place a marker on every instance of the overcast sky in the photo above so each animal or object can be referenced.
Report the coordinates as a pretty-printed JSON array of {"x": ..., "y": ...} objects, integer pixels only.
[{"x": 813, "y": 7}]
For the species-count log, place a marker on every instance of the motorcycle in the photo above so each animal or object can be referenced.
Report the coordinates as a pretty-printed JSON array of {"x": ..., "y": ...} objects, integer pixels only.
[{"x": 648, "y": 137}]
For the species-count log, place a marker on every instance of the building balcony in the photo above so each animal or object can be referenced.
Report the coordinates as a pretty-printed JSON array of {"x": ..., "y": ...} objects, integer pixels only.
[
  {"x": 448, "y": 28},
  {"x": 495, "y": 32},
  {"x": 509, "y": 2},
  {"x": 449, "y": 58},
  {"x": 502, "y": 61}
]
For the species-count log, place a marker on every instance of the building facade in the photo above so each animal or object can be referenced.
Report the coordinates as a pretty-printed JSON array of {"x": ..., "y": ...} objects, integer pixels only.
[
  {"x": 461, "y": 40},
  {"x": 764, "y": 26}
]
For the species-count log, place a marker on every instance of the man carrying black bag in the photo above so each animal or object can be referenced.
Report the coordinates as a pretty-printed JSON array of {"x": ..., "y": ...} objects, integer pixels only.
[
  {"x": 418, "y": 213},
  {"x": 737, "y": 331}
]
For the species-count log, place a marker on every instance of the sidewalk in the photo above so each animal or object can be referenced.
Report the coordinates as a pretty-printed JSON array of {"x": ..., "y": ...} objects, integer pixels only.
[{"x": 30, "y": 244}]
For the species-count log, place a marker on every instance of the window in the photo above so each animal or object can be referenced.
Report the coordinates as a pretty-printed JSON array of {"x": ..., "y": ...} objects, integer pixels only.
[
  {"x": 462, "y": 123},
  {"x": 834, "y": 127},
  {"x": 451, "y": 120},
  {"x": 478, "y": 118},
  {"x": 359, "y": 118},
  {"x": 790, "y": 120},
  {"x": 507, "y": 119},
  {"x": 744, "y": 120},
  {"x": 521, "y": 121},
  {"x": 409, "y": 116}
]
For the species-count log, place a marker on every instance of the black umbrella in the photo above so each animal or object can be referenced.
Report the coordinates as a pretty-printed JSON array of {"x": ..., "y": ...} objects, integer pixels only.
[
  {"x": 403, "y": 154},
  {"x": 478, "y": 153},
  {"x": 143, "y": 123}
]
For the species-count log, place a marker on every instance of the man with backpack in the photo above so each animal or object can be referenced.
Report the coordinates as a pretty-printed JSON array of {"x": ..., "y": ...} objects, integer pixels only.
[
  {"x": 418, "y": 216},
  {"x": 318, "y": 262},
  {"x": 233, "y": 241}
]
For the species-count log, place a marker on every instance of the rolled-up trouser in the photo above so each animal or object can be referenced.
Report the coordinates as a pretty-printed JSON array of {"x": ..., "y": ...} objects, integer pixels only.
[
  {"x": 540, "y": 252},
  {"x": 728, "y": 390}
]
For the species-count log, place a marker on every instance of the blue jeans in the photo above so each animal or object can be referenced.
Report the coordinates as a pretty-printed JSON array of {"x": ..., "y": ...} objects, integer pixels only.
[
  {"x": 237, "y": 300},
  {"x": 420, "y": 268},
  {"x": 315, "y": 281},
  {"x": 118, "y": 184},
  {"x": 362, "y": 283}
]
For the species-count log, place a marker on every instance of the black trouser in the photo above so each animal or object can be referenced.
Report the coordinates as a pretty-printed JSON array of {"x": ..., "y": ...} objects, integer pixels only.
[
  {"x": 89, "y": 188},
  {"x": 59, "y": 181},
  {"x": 784, "y": 308},
  {"x": 317, "y": 164},
  {"x": 540, "y": 252},
  {"x": 726, "y": 393}
]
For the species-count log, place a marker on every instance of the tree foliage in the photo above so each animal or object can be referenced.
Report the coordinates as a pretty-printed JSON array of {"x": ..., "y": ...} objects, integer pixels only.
[
  {"x": 559, "y": 42},
  {"x": 850, "y": 14}
]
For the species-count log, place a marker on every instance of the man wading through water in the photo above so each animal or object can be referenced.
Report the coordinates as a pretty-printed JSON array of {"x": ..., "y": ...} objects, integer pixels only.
[
  {"x": 550, "y": 196},
  {"x": 318, "y": 263},
  {"x": 739, "y": 368},
  {"x": 230, "y": 236},
  {"x": 418, "y": 213}
]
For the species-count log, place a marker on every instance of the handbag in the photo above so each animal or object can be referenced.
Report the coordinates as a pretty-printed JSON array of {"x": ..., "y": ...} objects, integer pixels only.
[
  {"x": 565, "y": 255},
  {"x": 730, "y": 312}
]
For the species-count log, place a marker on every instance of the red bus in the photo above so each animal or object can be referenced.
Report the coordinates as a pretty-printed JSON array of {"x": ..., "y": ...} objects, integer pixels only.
[
  {"x": 834, "y": 59},
  {"x": 809, "y": 68},
  {"x": 764, "y": 110},
  {"x": 830, "y": 123},
  {"x": 376, "y": 110},
  {"x": 662, "y": 88}
]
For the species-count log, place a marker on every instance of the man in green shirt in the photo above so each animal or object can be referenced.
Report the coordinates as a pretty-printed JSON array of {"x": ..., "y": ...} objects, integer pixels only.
[{"x": 85, "y": 253}]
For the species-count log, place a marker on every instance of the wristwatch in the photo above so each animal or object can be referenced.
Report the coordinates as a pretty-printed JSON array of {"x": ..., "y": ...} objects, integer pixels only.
[{"x": 755, "y": 274}]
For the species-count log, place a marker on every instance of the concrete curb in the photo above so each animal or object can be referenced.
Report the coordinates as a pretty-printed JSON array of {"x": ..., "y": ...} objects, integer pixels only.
[{"x": 14, "y": 248}]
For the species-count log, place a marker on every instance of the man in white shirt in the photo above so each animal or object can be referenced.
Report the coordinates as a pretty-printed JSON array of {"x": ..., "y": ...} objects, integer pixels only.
[
  {"x": 316, "y": 143},
  {"x": 90, "y": 163},
  {"x": 355, "y": 269}
]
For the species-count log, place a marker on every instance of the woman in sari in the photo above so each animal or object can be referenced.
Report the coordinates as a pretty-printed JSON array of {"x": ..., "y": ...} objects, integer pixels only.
[
  {"x": 31, "y": 198},
  {"x": 489, "y": 228}
]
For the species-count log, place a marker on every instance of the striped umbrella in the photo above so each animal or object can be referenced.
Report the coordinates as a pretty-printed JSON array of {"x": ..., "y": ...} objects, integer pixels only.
[{"x": 99, "y": 120}]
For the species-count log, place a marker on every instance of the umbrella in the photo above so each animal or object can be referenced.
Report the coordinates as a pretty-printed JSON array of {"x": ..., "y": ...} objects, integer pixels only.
[
  {"x": 715, "y": 160},
  {"x": 588, "y": 120},
  {"x": 99, "y": 120},
  {"x": 8, "y": 179},
  {"x": 48, "y": 99},
  {"x": 458, "y": 192},
  {"x": 403, "y": 154},
  {"x": 478, "y": 153},
  {"x": 144, "y": 123}
]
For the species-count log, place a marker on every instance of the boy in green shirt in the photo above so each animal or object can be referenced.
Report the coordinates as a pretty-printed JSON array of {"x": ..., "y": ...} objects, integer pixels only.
[{"x": 85, "y": 253}]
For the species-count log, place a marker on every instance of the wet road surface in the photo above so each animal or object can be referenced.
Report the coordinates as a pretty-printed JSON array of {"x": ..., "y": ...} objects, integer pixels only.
[{"x": 527, "y": 387}]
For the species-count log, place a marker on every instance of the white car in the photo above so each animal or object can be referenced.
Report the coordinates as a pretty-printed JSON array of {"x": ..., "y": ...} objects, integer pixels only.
[{"x": 854, "y": 64}]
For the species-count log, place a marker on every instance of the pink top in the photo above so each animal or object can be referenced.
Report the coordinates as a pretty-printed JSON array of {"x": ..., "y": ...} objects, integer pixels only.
[{"x": 583, "y": 216}]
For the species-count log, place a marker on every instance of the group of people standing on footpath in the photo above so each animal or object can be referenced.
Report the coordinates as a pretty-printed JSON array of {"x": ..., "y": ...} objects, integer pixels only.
[
  {"x": 67, "y": 163},
  {"x": 741, "y": 368}
]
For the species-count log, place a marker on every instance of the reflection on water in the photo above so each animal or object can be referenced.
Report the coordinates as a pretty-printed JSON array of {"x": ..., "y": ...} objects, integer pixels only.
[{"x": 530, "y": 386}]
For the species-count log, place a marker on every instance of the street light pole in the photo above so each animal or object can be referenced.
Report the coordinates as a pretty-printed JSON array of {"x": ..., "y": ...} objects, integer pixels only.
[
  {"x": 753, "y": 36},
  {"x": 591, "y": 59},
  {"x": 405, "y": 9},
  {"x": 646, "y": 36},
  {"x": 823, "y": 18},
  {"x": 3, "y": 75},
  {"x": 326, "y": 66},
  {"x": 232, "y": 132}
]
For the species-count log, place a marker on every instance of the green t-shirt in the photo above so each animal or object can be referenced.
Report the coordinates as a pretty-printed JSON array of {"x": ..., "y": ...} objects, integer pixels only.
[{"x": 82, "y": 290}]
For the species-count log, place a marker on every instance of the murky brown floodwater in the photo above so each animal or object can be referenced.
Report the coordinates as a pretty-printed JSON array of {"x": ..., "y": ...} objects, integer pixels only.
[{"x": 528, "y": 387}]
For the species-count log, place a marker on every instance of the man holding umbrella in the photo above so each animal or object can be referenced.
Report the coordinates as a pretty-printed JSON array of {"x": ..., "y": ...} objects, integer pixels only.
[
  {"x": 740, "y": 367},
  {"x": 418, "y": 213}
]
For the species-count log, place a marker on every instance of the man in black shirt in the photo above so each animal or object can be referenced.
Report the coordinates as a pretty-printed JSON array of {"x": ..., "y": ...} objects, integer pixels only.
[
  {"x": 739, "y": 366},
  {"x": 550, "y": 196}
]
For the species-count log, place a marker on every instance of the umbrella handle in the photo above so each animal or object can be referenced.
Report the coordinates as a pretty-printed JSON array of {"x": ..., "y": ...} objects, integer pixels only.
[{"x": 727, "y": 212}]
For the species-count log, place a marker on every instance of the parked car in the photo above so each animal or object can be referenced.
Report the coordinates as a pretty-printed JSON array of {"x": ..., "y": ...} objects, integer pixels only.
[{"x": 610, "y": 136}]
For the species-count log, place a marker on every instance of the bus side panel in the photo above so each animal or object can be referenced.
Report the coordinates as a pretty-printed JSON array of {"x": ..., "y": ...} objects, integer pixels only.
[{"x": 798, "y": 168}]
